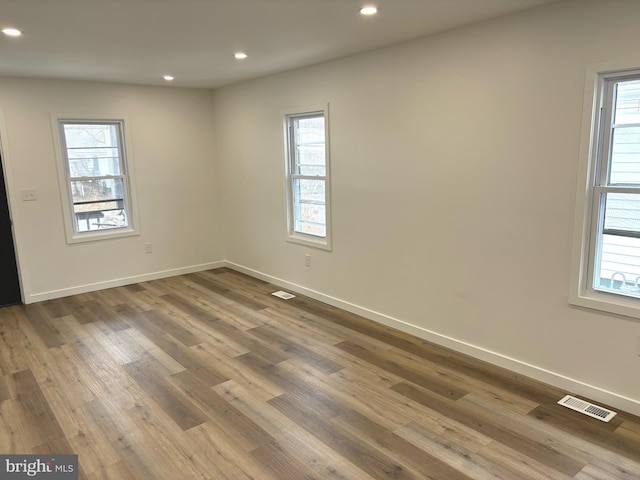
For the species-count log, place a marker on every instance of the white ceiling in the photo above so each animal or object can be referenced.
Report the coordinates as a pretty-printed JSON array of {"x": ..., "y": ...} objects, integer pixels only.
[{"x": 138, "y": 41}]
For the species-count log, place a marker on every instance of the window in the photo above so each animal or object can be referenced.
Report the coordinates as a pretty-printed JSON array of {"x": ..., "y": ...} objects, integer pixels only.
[
  {"x": 94, "y": 179},
  {"x": 308, "y": 178},
  {"x": 608, "y": 275}
]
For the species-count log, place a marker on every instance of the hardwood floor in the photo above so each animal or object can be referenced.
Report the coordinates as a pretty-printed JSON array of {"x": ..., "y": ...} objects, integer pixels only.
[{"x": 208, "y": 376}]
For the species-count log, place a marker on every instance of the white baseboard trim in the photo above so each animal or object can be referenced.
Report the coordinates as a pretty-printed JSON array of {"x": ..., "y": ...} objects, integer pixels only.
[
  {"x": 119, "y": 282},
  {"x": 571, "y": 385}
]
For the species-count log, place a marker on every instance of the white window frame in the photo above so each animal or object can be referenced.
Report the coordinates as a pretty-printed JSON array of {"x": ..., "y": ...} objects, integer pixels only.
[
  {"x": 290, "y": 164},
  {"x": 593, "y": 159},
  {"x": 73, "y": 235}
]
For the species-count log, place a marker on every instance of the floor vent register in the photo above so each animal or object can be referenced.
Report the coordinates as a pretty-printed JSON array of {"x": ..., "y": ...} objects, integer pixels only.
[{"x": 587, "y": 408}]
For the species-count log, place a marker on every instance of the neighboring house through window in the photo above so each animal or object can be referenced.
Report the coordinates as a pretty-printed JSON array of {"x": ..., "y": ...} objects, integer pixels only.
[{"x": 606, "y": 272}]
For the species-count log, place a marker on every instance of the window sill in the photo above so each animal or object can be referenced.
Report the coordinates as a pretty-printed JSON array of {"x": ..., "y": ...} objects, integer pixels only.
[
  {"x": 101, "y": 235},
  {"x": 607, "y": 302},
  {"x": 310, "y": 241}
]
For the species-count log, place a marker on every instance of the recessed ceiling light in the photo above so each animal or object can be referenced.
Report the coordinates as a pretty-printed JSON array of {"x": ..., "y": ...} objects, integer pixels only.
[
  {"x": 168, "y": 78},
  {"x": 240, "y": 55},
  {"x": 369, "y": 10},
  {"x": 11, "y": 32}
]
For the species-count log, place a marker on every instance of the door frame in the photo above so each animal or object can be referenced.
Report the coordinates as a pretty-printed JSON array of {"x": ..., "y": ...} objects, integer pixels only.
[{"x": 5, "y": 164}]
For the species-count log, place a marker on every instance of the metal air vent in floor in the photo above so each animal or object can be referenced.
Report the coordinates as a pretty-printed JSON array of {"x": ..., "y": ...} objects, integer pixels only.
[
  {"x": 283, "y": 295},
  {"x": 587, "y": 408}
]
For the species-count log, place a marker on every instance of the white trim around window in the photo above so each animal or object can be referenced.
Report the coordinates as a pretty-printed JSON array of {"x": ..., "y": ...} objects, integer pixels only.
[
  {"x": 95, "y": 175},
  {"x": 308, "y": 187},
  {"x": 605, "y": 262}
]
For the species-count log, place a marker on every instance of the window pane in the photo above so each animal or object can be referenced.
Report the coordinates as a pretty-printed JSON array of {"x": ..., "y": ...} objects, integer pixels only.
[
  {"x": 627, "y": 108},
  {"x": 99, "y": 204},
  {"x": 625, "y": 156},
  {"x": 618, "y": 269},
  {"x": 91, "y": 191},
  {"x": 309, "y": 191},
  {"x": 309, "y": 138},
  {"x": 622, "y": 212},
  {"x": 93, "y": 163},
  {"x": 100, "y": 216},
  {"x": 309, "y": 129},
  {"x": 311, "y": 220},
  {"x": 92, "y": 149},
  {"x": 311, "y": 160},
  {"x": 85, "y": 135},
  {"x": 309, "y": 207}
]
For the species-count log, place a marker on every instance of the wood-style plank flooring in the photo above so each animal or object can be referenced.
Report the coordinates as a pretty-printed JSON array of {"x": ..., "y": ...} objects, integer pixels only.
[{"x": 208, "y": 376}]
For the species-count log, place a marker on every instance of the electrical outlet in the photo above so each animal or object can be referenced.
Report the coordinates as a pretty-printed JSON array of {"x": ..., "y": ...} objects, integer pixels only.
[
  {"x": 148, "y": 248},
  {"x": 307, "y": 260}
]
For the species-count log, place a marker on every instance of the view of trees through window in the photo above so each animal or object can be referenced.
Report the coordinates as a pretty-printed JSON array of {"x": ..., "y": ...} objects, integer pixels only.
[{"x": 95, "y": 174}]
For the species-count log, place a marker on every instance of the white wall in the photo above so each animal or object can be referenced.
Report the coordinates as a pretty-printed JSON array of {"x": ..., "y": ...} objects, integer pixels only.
[
  {"x": 454, "y": 162},
  {"x": 172, "y": 139}
]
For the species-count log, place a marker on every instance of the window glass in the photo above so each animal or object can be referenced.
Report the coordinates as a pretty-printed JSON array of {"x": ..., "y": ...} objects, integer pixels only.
[
  {"x": 307, "y": 172},
  {"x": 96, "y": 175},
  {"x": 616, "y": 267}
]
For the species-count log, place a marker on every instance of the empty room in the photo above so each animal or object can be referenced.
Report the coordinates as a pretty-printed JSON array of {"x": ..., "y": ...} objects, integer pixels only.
[{"x": 330, "y": 239}]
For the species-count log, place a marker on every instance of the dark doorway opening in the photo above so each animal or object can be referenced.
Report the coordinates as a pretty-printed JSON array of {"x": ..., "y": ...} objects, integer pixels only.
[{"x": 9, "y": 283}]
